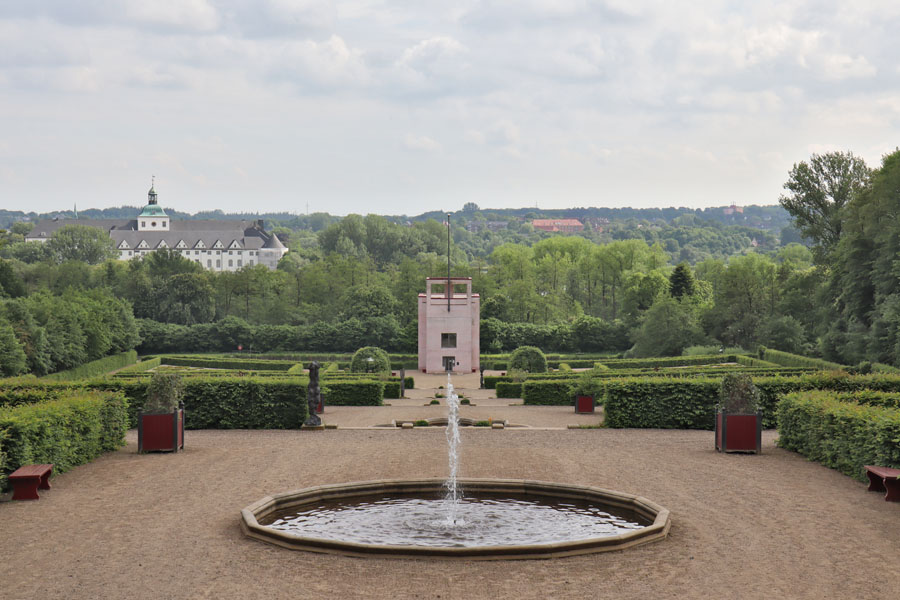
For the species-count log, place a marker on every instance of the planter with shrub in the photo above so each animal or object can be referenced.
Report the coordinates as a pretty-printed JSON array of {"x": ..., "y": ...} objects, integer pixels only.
[
  {"x": 161, "y": 422},
  {"x": 738, "y": 420}
]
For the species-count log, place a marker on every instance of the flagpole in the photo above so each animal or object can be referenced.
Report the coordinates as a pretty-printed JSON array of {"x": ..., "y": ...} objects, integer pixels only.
[{"x": 449, "y": 286}]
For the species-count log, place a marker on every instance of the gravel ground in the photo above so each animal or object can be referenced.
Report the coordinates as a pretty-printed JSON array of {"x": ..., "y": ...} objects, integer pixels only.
[{"x": 166, "y": 525}]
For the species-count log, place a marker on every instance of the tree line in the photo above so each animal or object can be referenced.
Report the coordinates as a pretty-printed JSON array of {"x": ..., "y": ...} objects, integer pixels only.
[{"x": 355, "y": 282}]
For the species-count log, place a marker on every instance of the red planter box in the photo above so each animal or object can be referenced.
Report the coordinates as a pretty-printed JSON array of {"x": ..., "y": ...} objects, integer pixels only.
[
  {"x": 161, "y": 433},
  {"x": 584, "y": 404},
  {"x": 738, "y": 433}
]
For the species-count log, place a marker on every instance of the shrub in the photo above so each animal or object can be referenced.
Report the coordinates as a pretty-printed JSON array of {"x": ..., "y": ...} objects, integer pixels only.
[
  {"x": 380, "y": 362},
  {"x": 163, "y": 393},
  {"x": 737, "y": 394},
  {"x": 841, "y": 435},
  {"x": 528, "y": 358},
  {"x": 552, "y": 392},
  {"x": 68, "y": 431}
]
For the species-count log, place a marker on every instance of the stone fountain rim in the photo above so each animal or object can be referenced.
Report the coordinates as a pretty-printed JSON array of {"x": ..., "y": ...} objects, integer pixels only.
[{"x": 656, "y": 531}]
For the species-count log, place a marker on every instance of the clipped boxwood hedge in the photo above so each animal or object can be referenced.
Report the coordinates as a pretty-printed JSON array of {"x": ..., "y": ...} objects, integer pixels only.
[
  {"x": 839, "y": 434},
  {"x": 68, "y": 431},
  {"x": 365, "y": 392},
  {"x": 548, "y": 392},
  {"x": 508, "y": 389}
]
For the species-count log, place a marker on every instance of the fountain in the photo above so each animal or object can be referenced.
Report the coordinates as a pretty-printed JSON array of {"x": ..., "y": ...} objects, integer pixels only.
[{"x": 493, "y": 519}]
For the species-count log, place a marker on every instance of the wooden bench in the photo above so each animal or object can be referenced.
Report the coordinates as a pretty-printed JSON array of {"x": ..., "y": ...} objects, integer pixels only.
[
  {"x": 28, "y": 479},
  {"x": 884, "y": 479}
]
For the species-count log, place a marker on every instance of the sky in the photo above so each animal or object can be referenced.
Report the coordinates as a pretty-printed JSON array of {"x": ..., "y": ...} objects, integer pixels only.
[{"x": 401, "y": 107}]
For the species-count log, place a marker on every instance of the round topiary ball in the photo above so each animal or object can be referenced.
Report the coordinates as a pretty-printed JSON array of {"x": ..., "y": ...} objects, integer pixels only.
[
  {"x": 380, "y": 361},
  {"x": 528, "y": 358}
]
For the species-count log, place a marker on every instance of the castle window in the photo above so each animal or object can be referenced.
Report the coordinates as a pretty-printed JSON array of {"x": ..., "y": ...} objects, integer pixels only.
[
  {"x": 230, "y": 263},
  {"x": 209, "y": 263},
  {"x": 240, "y": 263},
  {"x": 153, "y": 224},
  {"x": 143, "y": 223},
  {"x": 448, "y": 340}
]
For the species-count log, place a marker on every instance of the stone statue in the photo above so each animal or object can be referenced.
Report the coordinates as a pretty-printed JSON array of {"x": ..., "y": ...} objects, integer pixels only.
[{"x": 313, "y": 396}]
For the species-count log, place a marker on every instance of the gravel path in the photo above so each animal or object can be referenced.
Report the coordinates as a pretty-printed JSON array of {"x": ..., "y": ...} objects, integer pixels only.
[{"x": 166, "y": 525}]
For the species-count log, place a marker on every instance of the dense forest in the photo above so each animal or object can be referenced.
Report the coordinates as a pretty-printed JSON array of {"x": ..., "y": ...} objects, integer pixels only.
[{"x": 648, "y": 286}]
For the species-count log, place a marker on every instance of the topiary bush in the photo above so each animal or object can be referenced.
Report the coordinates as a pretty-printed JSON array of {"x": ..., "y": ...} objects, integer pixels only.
[
  {"x": 528, "y": 358},
  {"x": 380, "y": 362}
]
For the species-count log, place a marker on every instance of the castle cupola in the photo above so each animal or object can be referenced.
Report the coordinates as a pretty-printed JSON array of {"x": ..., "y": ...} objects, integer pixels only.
[{"x": 153, "y": 217}]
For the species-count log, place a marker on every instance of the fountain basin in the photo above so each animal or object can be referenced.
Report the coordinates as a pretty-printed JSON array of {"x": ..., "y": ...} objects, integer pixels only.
[{"x": 655, "y": 517}]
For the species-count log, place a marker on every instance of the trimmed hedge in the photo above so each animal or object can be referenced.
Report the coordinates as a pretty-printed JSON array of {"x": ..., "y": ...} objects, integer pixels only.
[
  {"x": 669, "y": 361},
  {"x": 246, "y": 364},
  {"x": 689, "y": 403},
  {"x": 787, "y": 359},
  {"x": 392, "y": 387},
  {"x": 661, "y": 403},
  {"x": 141, "y": 366},
  {"x": 548, "y": 392},
  {"x": 353, "y": 393},
  {"x": 508, "y": 389},
  {"x": 98, "y": 367},
  {"x": 838, "y": 434},
  {"x": 68, "y": 431},
  {"x": 749, "y": 361}
]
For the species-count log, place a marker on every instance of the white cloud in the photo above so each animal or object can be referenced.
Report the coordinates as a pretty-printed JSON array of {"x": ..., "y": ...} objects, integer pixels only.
[
  {"x": 194, "y": 15},
  {"x": 420, "y": 143}
]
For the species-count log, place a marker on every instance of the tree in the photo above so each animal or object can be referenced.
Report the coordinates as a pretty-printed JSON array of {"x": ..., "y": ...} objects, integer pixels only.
[
  {"x": 818, "y": 193},
  {"x": 681, "y": 282},
  {"x": 667, "y": 329},
  {"x": 82, "y": 243},
  {"x": 12, "y": 357},
  {"x": 186, "y": 298}
]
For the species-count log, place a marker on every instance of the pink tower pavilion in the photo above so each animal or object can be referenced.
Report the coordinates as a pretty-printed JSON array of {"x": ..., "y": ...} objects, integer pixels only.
[{"x": 449, "y": 327}]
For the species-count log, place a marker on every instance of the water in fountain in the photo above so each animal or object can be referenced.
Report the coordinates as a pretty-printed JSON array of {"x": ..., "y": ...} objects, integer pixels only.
[{"x": 453, "y": 495}]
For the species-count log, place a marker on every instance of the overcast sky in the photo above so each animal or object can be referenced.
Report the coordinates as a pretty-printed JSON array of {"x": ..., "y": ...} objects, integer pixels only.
[{"x": 398, "y": 107}]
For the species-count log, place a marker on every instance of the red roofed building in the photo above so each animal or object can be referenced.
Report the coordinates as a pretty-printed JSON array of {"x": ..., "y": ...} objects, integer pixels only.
[{"x": 558, "y": 225}]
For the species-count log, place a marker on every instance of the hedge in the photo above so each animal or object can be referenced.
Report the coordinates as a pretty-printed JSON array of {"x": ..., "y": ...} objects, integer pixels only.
[
  {"x": 141, "y": 367},
  {"x": 101, "y": 366},
  {"x": 749, "y": 361},
  {"x": 838, "y": 434},
  {"x": 228, "y": 363},
  {"x": 552, "y": 392},
  {"x": 662, "y": 403},
  {"x": 392, "y": 387},
  {"x": 353, "y": 393},
  {"x": 68, "y": 431},
  {"x": 786, "y": 359},
  {"x": 689, "y": 403},
  {"x": 669, "y": 361},
  {"x": 508, "y": 389}
]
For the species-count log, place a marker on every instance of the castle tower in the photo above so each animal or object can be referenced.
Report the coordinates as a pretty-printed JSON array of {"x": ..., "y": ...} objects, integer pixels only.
[
  {"x": 153, "y": 217},
  {"x": 449, "y": 328}
]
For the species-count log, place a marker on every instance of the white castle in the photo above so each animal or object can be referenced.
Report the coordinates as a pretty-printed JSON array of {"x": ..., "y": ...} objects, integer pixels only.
[{"x": 216, "y": 245}]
